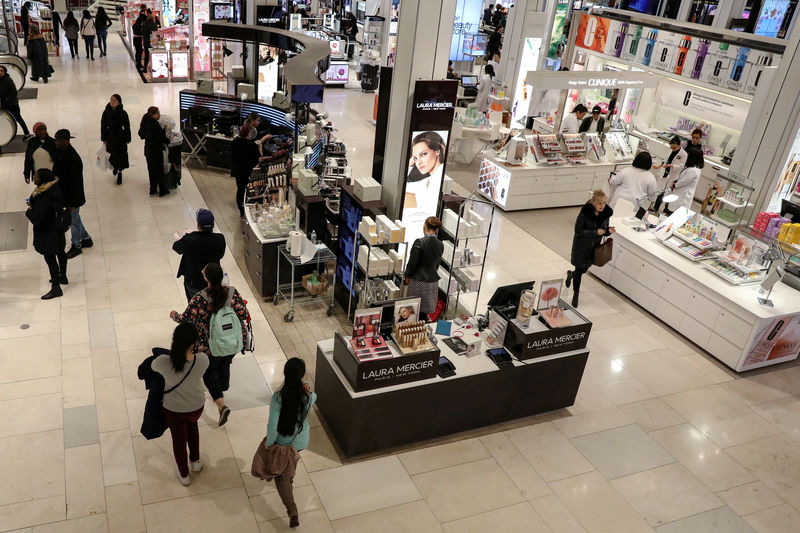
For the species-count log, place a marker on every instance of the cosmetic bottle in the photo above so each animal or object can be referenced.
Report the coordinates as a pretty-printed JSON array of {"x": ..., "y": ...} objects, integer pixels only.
[
  {"x": 618, "y": 40},
  {"x": 699, "y": 59},
  {"x": 739, "y": 64},
  {"x": 683, "y": 51},
  {"x": 631, "y": 48},
  {"x": 650, "y": 44}
]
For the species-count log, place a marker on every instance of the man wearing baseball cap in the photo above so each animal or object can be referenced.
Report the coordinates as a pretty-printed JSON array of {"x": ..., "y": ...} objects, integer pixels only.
[
  {"x": 198, "y": 249},
  {"x": 595, "y": 123},
  {"x": 68, "y": 167}
]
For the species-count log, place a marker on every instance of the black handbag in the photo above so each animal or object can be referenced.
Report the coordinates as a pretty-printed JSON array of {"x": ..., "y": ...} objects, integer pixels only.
[{"x": 154, "y": 424}]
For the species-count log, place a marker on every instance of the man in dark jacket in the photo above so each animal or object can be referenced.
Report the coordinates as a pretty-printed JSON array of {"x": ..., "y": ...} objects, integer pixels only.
[
  {"x": 40, "y": 152},
  {"x": 198, "y": 249},
  {"x": 68, "y": 167},
  {"x": 487, "y": 14},
  {"x": 9, "y": 99}
]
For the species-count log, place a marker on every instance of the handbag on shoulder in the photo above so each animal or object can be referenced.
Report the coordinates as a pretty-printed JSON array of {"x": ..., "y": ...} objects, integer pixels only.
[
  {"x": 603, "y": 253},
  {"x": 276, "y": 460}
]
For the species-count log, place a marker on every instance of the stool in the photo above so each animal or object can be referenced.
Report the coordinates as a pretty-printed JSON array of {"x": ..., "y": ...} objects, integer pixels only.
[{"x": 195, "y": 139}]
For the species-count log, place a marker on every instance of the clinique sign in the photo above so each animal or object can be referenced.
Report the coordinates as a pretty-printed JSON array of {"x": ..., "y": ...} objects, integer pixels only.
[{"x": 395, "y": 371}]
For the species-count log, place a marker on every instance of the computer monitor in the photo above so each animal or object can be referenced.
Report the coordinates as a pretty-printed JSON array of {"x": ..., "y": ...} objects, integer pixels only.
[
  {"x": 790, "y": 210},
  {"x": 469, "y": 81},
  {"x": 509, "y": 294}
]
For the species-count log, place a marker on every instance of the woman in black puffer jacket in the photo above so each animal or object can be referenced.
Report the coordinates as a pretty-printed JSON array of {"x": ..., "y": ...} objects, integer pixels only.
[
  {"x": 115, "y": 132},
  {"x": 155, "y": 141},
  {"x": 591, "y": 226},
  {"x": 48, "y": 238}
]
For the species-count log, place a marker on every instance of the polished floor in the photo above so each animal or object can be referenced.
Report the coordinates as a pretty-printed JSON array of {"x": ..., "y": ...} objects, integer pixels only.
[{"x": 661, "y": 437}]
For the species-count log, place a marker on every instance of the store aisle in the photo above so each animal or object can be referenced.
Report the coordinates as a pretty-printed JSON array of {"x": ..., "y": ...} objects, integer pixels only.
[{"x": 661, "y": 438}]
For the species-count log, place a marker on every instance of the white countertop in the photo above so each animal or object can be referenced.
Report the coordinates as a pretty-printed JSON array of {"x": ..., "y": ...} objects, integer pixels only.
[
  {"x": 492, "y": 155},
  {"x": 257, "y": 230},
  {"x": 786, "y": 300},
  {"x": 465, "y": 366}
]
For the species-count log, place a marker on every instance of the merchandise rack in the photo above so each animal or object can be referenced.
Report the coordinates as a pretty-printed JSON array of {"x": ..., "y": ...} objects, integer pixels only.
[
  {"x": 486, "y": 208},
  {"x": 732, "y": 205},
  {"x": 366, "y": 285},
  {"x": 323, "y": 256}
]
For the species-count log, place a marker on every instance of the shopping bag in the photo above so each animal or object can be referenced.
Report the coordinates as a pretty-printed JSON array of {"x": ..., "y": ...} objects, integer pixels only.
[
  {"x": 165, "y": 159},
  {"x": 103, "y": 158},
  {"x": 603, "y": 253}
]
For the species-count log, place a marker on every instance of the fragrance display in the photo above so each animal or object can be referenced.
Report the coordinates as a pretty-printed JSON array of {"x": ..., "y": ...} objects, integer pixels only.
[{"x": 465, "y": 237}]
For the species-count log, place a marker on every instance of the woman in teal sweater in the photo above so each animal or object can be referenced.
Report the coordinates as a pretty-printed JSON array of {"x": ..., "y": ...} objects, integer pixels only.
[{"x": 288, "y": 424}]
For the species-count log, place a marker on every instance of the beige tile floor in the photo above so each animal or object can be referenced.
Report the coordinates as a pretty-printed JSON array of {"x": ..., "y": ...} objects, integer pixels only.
[{"x": 660, "y": 438}]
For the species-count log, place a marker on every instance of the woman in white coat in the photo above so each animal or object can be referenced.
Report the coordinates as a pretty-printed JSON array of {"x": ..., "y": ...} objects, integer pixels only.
[
  {"x": 686, "y": 182},
  {"x": 635, "y": 183},
  {"x": 572, "y": 121},
  {"x": 672, "y": 169},
  {"x": 484, "y": 87}
]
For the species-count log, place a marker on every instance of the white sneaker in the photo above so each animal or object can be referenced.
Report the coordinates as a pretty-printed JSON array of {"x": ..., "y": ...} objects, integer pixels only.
[
  {"x": 185, "y": 481},
  {"x": 197, "y": 465}
]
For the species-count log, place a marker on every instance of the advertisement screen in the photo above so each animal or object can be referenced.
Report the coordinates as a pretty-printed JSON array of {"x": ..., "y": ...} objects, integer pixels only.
[
  {"x": 159, "y": 65},
  {"x": 338, "y": 73},
  {"x": 431, "y": 120},
  {"x": 592, "y": 33},
  {"x": 180, "y": 65},
  {"x": 467, "y": 22},
  {"x": 771, "y": 17},
  {"x": 202, "y": 48},
  {"x": 522, "y": 93},
  {"x": 222, "y": 11},
  {"x": 493, "y": 182}
]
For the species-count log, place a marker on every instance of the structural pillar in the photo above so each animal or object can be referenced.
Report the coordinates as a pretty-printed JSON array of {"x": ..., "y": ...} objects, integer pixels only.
[
  {"x": 423, "y": 47},
  {"x": 769, "y": 134}
]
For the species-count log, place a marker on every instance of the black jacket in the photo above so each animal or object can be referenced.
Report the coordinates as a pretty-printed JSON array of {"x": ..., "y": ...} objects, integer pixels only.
[
  {"x": 198, "y": 249},
  {"x": 586, "y": 238},
  {"x": 423, "y": 262},
  {"x": 37, "y": 53},
  {"x": 8, "y": 92},
  {"x": 155, "y": 139},
  {"x": 137, "y": 25},
  {"x": 102, "y": 22},
  {"x": 153, "y": 422},
  {"x": 68, "y": 167},
  {"x": 115, "y": 131},
  {"x": 586, "y": 123},
  {"x": 34, "y": 143},
  {"x": 487, "y": 16},
  {"x": 48, "y": 239},
  {"x": 148, "y": 27},
  {"x": 244, "y": 156}
]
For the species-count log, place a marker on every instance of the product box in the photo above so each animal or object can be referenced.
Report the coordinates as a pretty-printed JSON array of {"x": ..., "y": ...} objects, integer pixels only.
[
  {"x": 759, "y": 63},
  {"x": 388, "y": 228},
  {"x": 665, "y": 51},
  {"x": 402, "y": 228},
  {"x": 397, "y": 261},
  {"x": 443, "y": 277},
  {"x": 740, "y": 70},
  {"x": 368, "y": 229},
  {"x": 631, "y": 45},
  {"x": 718, "y": 63},
  {"x": 366, "y": 189}
]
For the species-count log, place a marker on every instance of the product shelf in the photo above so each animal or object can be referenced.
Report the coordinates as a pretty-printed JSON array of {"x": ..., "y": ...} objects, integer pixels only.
[
  {"x": 718, "y": 267},
  {"x": 734, "y": 205},
  {"x": 669, "y": 243},
  {"x": 734, "y": 263},
  {"x": 690, "y": 240}
]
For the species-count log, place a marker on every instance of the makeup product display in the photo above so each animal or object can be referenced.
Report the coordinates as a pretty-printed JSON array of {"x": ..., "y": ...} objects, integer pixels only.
[
  {"x": 412, "y": 337},
  {"x": 548, "y": 150},
  {"x": 367, "y": 342},
  {"x": 618, "y": 146},
  {"x": 527, "y": 302},
  {"x": 575, "y": 147},
  {"x": 697, "y": 237},
  {"x": 595, "y": 146},
  {"x": 555, "y": 317}
]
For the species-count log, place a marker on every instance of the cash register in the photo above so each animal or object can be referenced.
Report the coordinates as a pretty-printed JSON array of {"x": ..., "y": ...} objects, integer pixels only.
[{"x": 470, "y": 85}]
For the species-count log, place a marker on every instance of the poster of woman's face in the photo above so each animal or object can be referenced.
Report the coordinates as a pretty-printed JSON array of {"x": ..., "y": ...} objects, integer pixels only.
[
  {"x": 406, "y": 310},
  {"x": 424, "y": 180}
]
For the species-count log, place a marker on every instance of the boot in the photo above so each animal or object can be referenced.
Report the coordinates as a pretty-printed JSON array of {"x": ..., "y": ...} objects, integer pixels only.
[
  {"x": 119, "y": 178},
  {"x": 55, "y": 292},
  {"x": 575, "y": 299},
  {"x": 568, "y": 281},
  {"x": 62, "y": 280}
]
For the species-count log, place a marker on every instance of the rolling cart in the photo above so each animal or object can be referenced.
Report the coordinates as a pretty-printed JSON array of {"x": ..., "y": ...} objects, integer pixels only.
[{"x": 323, "y": 256}]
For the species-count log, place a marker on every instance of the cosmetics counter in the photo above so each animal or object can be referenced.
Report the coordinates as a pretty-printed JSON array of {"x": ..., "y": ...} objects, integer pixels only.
[
  {"x": 705, "y": 281},
  {"x": 374, "y": 382}
]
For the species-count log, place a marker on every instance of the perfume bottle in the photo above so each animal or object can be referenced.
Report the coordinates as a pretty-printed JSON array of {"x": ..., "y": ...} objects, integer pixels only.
[
  {"x": 683, "y": 50},
  {"x": 699, "y": 59},
  {"x": 633, "y": 44},
  {"x": 619, "y": 40},
  {"x": 739, "y": 64},
  {"x": 650, "y": 44}
]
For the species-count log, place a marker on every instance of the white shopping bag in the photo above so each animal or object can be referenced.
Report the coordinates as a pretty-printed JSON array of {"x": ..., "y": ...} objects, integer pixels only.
[{"x": 102, "y": 159}]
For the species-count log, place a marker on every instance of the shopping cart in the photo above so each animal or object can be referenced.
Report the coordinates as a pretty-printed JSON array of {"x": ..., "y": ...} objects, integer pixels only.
[{"x": 323, "y": 256}]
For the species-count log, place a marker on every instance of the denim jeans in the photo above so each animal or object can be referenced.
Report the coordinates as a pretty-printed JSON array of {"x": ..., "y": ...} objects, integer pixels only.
[
  {"x": 102, "y": 35},
  {"x": 79, "y": 233},
  {"x": 190, "y": 291}
]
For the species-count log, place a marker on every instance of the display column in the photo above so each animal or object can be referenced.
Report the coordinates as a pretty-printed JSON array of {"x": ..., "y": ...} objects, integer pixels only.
[
  {"x": 423, "y": 46},
  {"x": 769, "y": 134},
  {"x": 728, "y": 10}
]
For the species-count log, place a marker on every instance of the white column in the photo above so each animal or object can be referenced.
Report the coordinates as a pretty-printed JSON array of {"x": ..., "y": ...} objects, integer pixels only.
[
  {"x": 423, "y": 47},
  {"x": 771, "y": 126},
  {"x": 683, "y": 12},
  {"x": 386, "y": 13},
  {"x": 727, "y": 10}
]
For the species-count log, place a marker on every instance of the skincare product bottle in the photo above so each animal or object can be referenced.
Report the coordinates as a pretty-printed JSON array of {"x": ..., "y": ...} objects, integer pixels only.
[
  {"x": 650, "y": 44},
  {"x": 683, "y": 51},
  {"x": 631, "y": 47},
  {"x": 699, "y": 59},
  {"x": 619, "y": 40},
  {"x": 739, "y": 64}
]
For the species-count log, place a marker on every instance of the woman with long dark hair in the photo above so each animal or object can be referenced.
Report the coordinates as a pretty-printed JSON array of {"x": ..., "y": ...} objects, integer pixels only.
[
  {"x": 422, "y": 274},
  {"x": 155, "y": 141},
  {"x": 288, "y": 424},
  {"x": 88, "y": 32},
  {"x": 71, "y": 30},
  {"x": 244, "y": 157},
  {"x": 183, "y": 368},
  {"x": 115, "y": 132},
  {"x": 102, "y": 23},
  {"x": 200, "y": 310}
]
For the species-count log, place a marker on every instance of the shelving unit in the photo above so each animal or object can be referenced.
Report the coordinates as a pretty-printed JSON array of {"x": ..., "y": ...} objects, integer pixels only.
[
  {"x": 728, "y": 200},
  {"x": 452, "y": 287}
]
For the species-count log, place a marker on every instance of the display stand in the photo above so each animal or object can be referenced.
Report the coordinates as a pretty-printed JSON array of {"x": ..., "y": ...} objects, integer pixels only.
[
  {"x": 540, "y": 340},
  {"x": 371, "y": 53},
  {"x": 462, "y": 265}
]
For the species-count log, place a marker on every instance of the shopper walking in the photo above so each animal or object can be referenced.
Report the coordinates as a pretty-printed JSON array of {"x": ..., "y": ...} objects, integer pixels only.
[
  {"x": 155, "y": 142},
  {"x": 57, "y": 23},
  {"x": 214, "y": 311},
  {"x": 288, "y": 426},
  {"x": 9, "y": 100},
  {"x": 687, "y": 180},
  {"x": 422, "y": 274},
  {"x": 183, "y": 368},
  {"x": 40, "y": 152},
  {"x": 484, "y": 87},
  {"x": 115, "y": 132},
  {"x": 71, "y": 30},
  {"x": 591, "y": 226},
  {"x": 635, "y": 183},
  {"x": 244, "y": 157},
  {"x": 138, "y": 41},
  {"x": 494, "y": 44},
  {"x": 46, "y": 211},
  {"x": 672, "y": 169},
  {"x": 102, "y": 23},
  {"x": 197, "y": 249},
  {"x": 68, "y": 168},
  {"x": 39, "y": 57},
  {"x": 88, "y": 32}
]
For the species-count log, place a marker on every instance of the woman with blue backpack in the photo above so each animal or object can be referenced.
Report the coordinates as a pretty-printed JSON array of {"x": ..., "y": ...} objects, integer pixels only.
[{"x": 220, "y": 315}]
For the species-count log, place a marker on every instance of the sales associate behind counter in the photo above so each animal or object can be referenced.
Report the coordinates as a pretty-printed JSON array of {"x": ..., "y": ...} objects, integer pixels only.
[
  {"x": 572, "y": 121},
  {"x": 594, "y": 123},
  {"x": 422, "y": 269}
]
